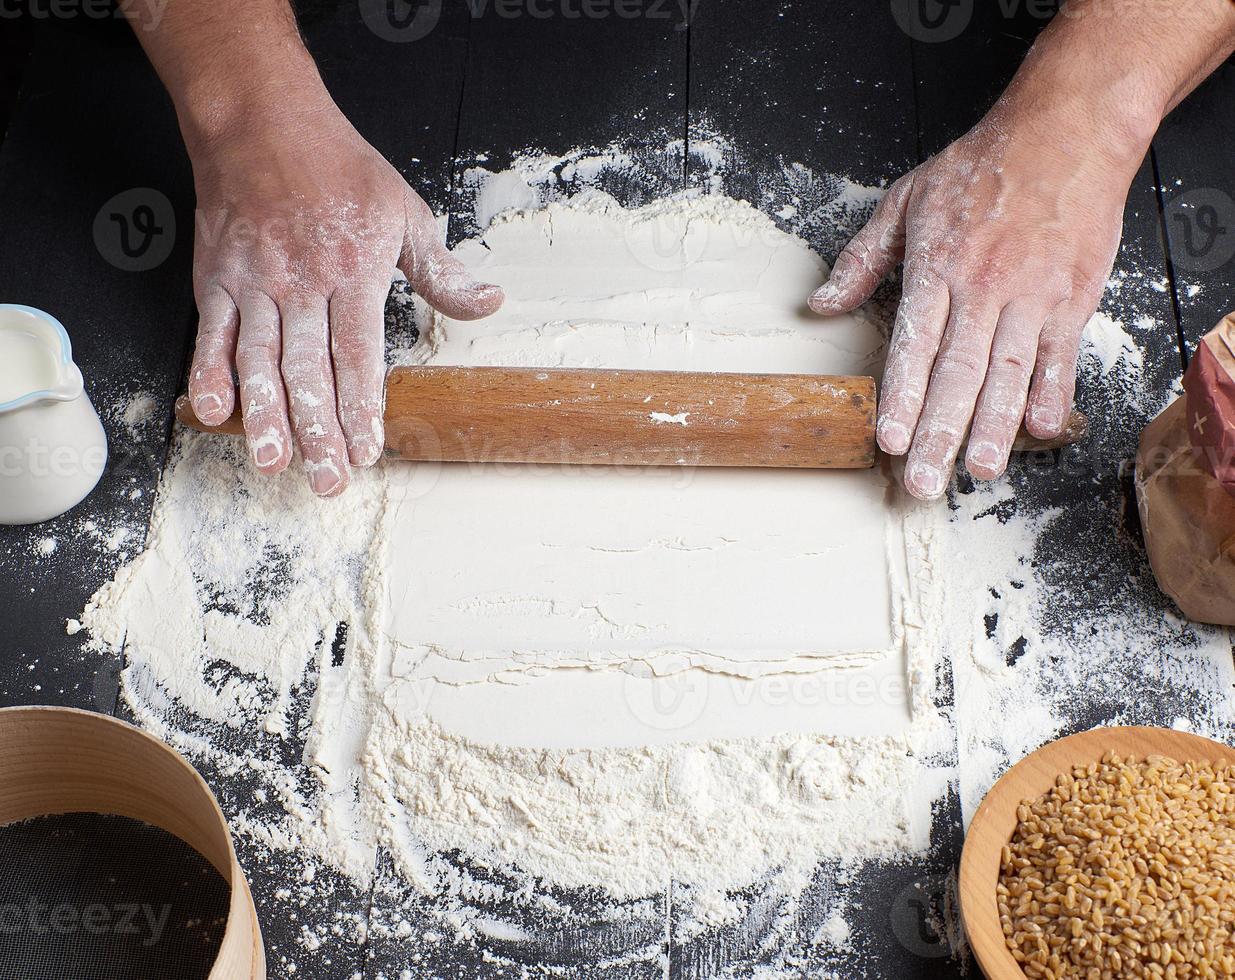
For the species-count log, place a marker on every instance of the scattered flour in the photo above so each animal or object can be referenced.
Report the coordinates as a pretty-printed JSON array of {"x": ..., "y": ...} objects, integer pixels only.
[
  {"x": 1111, "y": 346},
  {"x": 252, "y": 638},
  {"x": 246, "y": 584},
  {"x": 139, "y": 411}
]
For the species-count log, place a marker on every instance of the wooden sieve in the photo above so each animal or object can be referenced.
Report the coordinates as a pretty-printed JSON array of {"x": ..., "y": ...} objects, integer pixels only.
[{"x": 62, "y": 760}]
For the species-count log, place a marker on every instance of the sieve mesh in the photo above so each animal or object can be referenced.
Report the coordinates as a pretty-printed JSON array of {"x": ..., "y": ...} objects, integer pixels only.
[{"x": 91, "y": 897}]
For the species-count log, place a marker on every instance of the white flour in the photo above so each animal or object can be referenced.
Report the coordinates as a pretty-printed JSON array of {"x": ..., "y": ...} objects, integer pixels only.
[
  {"x": 615, "y": 586},
  {"x": 232, "y": 611},
  {"x": 235, "y": 603}
]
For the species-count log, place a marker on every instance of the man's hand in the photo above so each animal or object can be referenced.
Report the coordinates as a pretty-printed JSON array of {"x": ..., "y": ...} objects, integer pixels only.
[
  {"x": 1007, "y": 244},
  {"x": 300, "y": 224},
  {"x": 1008, "y": 236}
]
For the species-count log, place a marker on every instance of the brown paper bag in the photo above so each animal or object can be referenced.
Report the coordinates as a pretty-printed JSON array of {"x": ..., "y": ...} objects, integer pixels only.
[{"x": 1185, "y": 485}]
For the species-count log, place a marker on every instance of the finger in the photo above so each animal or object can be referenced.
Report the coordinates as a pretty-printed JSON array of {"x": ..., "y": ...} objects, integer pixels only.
[
  {"x": 1001, "y": 404},
  {"x": 357, "y": 330},
  {"x": 442, "y": 279},
  {"x": 1054, "y": 375},
  {"x": 262, "y": 397},
  {"x": 871, "y": 254},
  {"x": 311, "y": 400},
  {"x": 955, "y": 381},
  {"x": 920, "y": 322},
  {"x": 212, "y": 391}
]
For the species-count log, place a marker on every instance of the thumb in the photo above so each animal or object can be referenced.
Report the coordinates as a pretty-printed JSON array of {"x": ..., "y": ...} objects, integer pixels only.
[
  {"x": 871, "y": 254},
  {"x": 443, "y": 280}
]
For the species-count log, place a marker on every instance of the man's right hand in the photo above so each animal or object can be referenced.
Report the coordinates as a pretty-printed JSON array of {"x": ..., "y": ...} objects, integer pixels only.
[{"x": 300, "y": 226}]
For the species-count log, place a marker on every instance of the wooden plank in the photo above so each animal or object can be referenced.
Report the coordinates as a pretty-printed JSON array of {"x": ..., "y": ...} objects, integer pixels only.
[
  {"x": 804, "y": 101},
  {"x": 78, "y": 150},
  {"x": 1088, "y": 556},
  {"x": 547, "y": 84},
  {"x": 14, "y": 51},
  {"x": 73, "y": 144},
  {"x": 567, "y": 81},
  {"x": 827, "y": 86},
  {"x": 1195, "y": 152},
  {"x": 807, "y": 100},
  {"x": 398, "y": 76}
]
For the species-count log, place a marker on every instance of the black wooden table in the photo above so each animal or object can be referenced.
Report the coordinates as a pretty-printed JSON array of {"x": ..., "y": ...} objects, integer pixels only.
[{"x": 856, "y": 87}]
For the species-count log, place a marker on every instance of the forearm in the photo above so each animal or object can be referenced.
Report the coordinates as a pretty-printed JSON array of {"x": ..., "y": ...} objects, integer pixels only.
[
  {"x": 227, "y": 59},
  {"x": 1107, "y": 72}
]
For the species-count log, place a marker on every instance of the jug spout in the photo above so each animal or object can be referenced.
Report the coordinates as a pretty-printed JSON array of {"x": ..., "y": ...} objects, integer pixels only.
[
  {"x": 53, "y": 449},
  {"x": 36, "y": 359}
]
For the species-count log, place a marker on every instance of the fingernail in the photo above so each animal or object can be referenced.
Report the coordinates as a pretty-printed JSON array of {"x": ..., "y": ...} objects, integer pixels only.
[
  {"x": 365, "y": 453},
  {"x": 207, "y": 406},
  {"x": 1046, "y": 419},
  {"x": 266, "y": 452},
  {"x": 824, "y": 298},
  {"x": 924, "y": 480},
  {"x": 324, "y": 478},
  {"x": 485, "y": 291},
  {"x": 985, "y": 455},
  {"x": 892, "y": 436}
]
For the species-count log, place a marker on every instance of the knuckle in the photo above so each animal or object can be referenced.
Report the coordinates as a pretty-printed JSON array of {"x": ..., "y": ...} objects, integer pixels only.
[
  {"x": 900, "y": 191},
  {"x": 303, "y": 367},
  {"x": 304, "y": 333},
  {"x": 857, "y": 252},
  {"x": 1013, "y": 362},
  {"x": 987, "y": 275},
  {"x": 960, "y": 364},
  {"x": 255, "y": 358},
  {"x": 938, "y": 436},
  {"x": 1056, "y": 349},
  {"x": 1001, "y": 413},
  {"x": 903, "y": 397},
  {"x": 261, "y": 394},
  {"x": 357, "y": 348},
  {"x": 317, "y": 438},
  {"x": 205, "y": 279}
]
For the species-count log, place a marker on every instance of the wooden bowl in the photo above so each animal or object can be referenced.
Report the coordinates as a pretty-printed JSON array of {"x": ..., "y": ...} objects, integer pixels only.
[
  {"x": 1030, "y": 779},
  {"x": 61, "y": 760}
]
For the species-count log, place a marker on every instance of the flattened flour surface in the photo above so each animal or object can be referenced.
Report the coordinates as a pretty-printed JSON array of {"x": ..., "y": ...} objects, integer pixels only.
[{"x": 564, "y": 606}]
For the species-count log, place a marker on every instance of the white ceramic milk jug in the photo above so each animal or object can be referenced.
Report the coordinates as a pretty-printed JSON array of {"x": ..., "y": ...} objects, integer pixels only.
[{"x": 52, "y": 445}]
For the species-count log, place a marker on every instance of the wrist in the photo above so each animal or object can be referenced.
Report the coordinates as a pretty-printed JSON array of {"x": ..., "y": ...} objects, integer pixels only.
[
  {"x": 1107, "y": 119},
  {"x": 273, "y": 93}
]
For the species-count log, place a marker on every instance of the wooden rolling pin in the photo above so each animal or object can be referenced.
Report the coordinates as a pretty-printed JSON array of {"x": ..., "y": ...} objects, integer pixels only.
[{"x": 657, "y": 418}]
